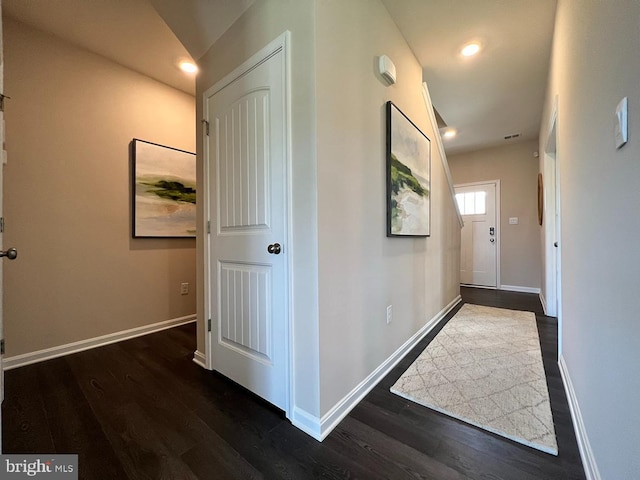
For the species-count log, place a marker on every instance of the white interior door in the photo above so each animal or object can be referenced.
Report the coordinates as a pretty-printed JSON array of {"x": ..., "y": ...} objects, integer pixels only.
[
  {"x": 550, "y": 215},
  {"x": 247, "y": 245},
  {"x": 558, "y": 257},
  {"x": 553, "y": 226},
  {"x": 2, "y": 155},
  {"x": 479, "y": 243}
]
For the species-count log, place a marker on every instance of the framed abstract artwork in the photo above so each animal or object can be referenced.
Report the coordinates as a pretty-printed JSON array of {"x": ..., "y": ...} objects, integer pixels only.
[
  {"x": 408, "y": 177},
  {"x": 164, "y": 191}
]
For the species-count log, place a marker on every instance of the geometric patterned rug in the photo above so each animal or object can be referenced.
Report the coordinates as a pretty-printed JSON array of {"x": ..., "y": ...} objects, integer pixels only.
[{"x": 485, "y": 368}]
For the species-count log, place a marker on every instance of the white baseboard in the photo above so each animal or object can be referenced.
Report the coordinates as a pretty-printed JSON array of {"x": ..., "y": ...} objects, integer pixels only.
[
  {"x": 319, "y": 428},
  {"x": 543, "y": 301},
  {"x": 483, "y": 287},
  {"x": 516, "y": 288},
  {"x": 200, "y": 359},
  {"x": 47, "y": 354},
  {"x": 586, "y": 454},
  {"x": 308, "y": 423}
]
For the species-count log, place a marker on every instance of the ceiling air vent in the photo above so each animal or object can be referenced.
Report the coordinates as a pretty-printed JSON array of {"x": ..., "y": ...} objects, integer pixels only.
[{"x": 509, "y": 137}]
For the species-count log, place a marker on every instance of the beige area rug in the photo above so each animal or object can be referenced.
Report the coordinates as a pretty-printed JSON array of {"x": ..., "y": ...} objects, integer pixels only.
[{"x": 485, "y": 368}]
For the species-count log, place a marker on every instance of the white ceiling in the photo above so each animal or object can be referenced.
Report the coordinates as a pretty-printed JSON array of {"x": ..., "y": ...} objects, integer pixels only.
[
  {"x": 499, "y": 92},
  {"x": 199, "y": 23},
  {"x": 132, "y": 33}
]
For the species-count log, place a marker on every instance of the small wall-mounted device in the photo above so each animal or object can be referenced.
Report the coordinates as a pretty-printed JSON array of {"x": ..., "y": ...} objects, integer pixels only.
[
  {"x": 620, "y": 126},
  {"x": 387, "y": 69}
]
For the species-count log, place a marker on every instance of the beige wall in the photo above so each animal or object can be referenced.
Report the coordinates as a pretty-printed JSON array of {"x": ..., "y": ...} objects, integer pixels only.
[
  {"x": 345, "y": 270},
  {"x": 517, "y": 169},
  {"x": 594, "y": 64},
  {"x": 67, "y": 188},
  {"x": 361, "y": 271}
]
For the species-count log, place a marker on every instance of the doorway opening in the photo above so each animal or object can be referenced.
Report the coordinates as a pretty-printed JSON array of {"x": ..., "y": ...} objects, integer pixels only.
[
  {"x": 479, "y": 205},
  {"x": 552, "y": 300}
]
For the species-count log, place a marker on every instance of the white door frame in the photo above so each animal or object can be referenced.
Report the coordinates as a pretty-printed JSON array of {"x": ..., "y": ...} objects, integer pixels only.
[
  {"x": 552, "y": 224},
  {"x": 2, "y": 163},
  {"x": 496, "y": 183},
  {"x": 282, "y": 43}
]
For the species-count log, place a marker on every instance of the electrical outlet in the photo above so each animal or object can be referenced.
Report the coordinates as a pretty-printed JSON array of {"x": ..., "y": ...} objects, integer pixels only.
[
  {"x": 389, "y": 314},
  {"x": 184, "y": 289}
]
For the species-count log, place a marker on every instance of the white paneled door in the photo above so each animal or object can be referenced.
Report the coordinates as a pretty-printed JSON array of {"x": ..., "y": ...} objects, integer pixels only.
[
  {"x": 479, "y": 242},
  {"x": 248, "y": 251},
  {"x": 1, "y": 219}
]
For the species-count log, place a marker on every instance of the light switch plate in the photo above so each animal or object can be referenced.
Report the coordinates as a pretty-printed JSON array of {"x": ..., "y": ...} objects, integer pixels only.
[
  {"x": 513, "y": 220},
  {"x": 620, "y": 129}
]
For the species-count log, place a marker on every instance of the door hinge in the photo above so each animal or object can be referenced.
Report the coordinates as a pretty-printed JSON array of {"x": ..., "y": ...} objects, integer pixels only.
[
  {"x": 208, "y": 328},
  {"x": 2, "y": 347},
  {"x": 208, "y": 226},
  {"x": 1, "y": 224},
  {"x": 2, "y": 97},
  {"x": 206, "y": 126}
]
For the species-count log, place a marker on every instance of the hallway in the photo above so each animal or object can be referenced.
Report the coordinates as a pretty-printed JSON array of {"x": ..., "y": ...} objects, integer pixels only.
[{"x": 142, "y": 409}]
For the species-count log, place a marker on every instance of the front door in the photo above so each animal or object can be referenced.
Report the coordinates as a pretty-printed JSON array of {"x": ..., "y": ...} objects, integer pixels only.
[
  {"x": 246, "y": 159},
  {"x": 479, "y": 242}
]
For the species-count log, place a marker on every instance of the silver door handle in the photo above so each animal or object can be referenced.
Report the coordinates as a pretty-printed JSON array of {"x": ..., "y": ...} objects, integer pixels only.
[{"x": 11, "y": 254}]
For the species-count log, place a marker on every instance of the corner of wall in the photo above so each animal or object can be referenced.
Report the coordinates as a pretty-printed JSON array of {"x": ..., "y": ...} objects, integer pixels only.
[
  {"x": 584, "y": 446},
  {"x": 330, "y": 420}
]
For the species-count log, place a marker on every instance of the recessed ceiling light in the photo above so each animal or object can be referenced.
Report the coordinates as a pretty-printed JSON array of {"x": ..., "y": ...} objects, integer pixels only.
[
  {"x": 188, "y": 67},
  {"x": 449, "y": 133},
  {"x": 470, "y": 49}
]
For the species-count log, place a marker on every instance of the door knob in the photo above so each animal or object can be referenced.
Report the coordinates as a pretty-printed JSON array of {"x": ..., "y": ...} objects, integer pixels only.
[
  {"x": 555, "y": 244},
  {"x": 11, "y": 254},
  {"x": 274, "y": 248}
]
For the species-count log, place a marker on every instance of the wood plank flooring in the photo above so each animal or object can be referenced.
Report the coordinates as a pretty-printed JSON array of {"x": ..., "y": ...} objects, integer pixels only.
[{"x": 141, "y": 409}]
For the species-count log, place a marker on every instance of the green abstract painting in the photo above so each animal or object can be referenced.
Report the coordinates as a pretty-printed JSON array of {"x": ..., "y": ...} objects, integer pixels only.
[
  {"x": 408, "y": 176},
  {"x": 164, "y": 191}
]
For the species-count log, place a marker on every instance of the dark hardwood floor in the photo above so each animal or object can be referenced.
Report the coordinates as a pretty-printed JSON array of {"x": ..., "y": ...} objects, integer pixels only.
[{"x": 141, "y": 409}]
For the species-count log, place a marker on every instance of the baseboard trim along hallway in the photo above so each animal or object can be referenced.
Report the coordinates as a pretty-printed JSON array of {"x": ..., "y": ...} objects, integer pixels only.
[
  {"x": 518, "y": 288},
  {"x": 588, "y": 460},
  {"x": 142, "y": 408},
  {"x": 48, "y": 353},
  {"x": 319, "y": 428}
]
